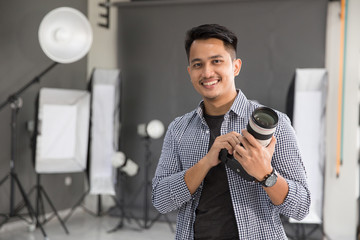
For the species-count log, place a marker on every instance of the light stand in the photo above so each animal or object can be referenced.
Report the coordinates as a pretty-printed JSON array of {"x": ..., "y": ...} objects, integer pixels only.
[
  {"x": 147, "y": 221},
  {"x": 125, "y": 167},
  {"x": 65, "y": 36},
  {"x": 15, "y": 103},
  {"x": 153, "y": 130},
  {"x": 40, "y": 208},
  {"x": 120, "y": 204}
]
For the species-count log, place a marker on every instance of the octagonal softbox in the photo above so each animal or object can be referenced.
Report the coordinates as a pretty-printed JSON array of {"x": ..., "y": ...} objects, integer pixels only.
[{"x": 62, "y": 131}]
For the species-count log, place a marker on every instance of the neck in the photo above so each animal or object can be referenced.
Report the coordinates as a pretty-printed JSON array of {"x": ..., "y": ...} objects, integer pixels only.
[{"x": 216, "y": 108}]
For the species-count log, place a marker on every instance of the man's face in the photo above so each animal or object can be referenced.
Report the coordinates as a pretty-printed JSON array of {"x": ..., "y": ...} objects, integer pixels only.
[{"x": 212, "y": 70}]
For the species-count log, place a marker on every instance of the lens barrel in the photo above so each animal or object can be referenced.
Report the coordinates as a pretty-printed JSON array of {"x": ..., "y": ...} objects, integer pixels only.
[{"x": 262, "y": 124}]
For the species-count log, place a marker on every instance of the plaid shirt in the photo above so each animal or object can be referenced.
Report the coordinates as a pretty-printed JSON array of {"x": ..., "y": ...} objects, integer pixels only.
[{"x": 186, "y": 142}]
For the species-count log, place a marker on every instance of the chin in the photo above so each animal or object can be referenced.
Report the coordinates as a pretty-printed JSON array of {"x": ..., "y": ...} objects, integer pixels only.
[{"x": 211, "y": 96}]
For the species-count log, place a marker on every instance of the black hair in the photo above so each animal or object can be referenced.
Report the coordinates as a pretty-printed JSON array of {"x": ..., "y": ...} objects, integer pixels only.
[{"x": 207, "y": 31}]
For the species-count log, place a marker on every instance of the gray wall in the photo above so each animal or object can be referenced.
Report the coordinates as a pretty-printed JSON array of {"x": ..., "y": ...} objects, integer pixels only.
[
  {"x": 275, "y": 38},
  {"x": 21, "y": 59}
]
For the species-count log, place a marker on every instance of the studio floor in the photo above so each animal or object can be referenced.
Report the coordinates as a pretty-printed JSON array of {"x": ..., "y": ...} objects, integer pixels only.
[{"x": 82, "y": 225}]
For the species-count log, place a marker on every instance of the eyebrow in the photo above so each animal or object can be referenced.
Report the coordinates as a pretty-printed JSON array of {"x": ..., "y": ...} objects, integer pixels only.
[{"x": 212, "y": 57}]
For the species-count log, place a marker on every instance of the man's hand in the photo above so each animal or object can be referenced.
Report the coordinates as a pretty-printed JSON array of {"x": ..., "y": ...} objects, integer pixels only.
[
  {"x": 196, "y": 174},
  {"x": 253, "y": 157},
  {"x": 228, "y": 141}
]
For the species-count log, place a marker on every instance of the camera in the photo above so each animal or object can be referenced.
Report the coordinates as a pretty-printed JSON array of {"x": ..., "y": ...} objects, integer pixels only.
[{"x": 262, "y": 125}]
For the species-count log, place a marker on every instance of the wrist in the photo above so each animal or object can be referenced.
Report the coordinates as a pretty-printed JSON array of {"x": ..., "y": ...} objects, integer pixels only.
[
  {"x": 205, "y": 163},
  {"x": 270, "y": 179},
  {"x": 264, "y": 176}
]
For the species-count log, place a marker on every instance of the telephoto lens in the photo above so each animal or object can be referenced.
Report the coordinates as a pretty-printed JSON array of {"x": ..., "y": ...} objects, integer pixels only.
[{"x": 262, "y": 124}]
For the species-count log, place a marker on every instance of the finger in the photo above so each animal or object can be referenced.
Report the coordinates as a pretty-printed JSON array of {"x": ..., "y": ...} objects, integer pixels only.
[
  {"x": 227, "y": 141},
  {"x": 244, "y": 143},
  {"x": 237, "y": 155},
  {"x": 228, "y": 147},
  {"x": 240, "y": 150},
  {"x": 272, "y": 143},
  {"x": 233, "y": 140},
  {"x": 235, "y": 136},
  {"x": 250, "y": 138},
  {"x": 235, "y": 133}
]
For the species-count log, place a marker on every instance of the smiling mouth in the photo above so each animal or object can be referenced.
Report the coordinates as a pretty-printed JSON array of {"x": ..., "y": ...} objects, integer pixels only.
[{"x": 210, "y": 83}]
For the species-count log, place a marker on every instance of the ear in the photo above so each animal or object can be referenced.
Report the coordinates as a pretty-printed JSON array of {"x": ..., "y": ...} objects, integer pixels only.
[
  {"x": 188, "y": 69},
  {"x": 237, "y": 66}
]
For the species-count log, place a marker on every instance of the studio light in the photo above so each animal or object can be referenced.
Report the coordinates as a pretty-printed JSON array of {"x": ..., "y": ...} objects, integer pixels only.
[
  {"x": 128, "y": 166},
  {"x": 154, "y": 129},
  {"x": 65, "y": 35},
  {"x": 148, "y": 131}
]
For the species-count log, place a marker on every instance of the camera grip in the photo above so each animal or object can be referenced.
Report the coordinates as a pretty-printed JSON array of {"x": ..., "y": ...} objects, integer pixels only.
[{"x": 234, "y": 165}]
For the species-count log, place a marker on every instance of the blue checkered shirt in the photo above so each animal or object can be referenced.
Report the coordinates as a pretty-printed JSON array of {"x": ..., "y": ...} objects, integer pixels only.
[{"x": 186, "y": 142}]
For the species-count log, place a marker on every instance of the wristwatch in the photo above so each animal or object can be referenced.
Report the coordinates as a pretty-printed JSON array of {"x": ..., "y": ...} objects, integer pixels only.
[{"x": 270, "y": 179}]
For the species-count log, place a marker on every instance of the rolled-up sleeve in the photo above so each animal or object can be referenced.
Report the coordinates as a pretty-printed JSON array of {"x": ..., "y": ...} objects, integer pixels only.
[
  {"x": 287, "y": 161},
  {"x": 297, "y": 202},
  {"x": 169, "y": 190}
]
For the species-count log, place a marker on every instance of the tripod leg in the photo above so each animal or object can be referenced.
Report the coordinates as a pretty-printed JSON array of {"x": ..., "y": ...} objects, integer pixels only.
[
  {"x": 170, "y": 224},
  {"x": 118, "y": 226},
  {"x": 6, "y": 216},
  {"x": 54, "y": 209},
  {"x": 167, "y": 220},
  {"x": 21, "y": 204},
  {"x": 76, "y": 205},
  {"x": 4, "y": 179},
  {"x": 28, "y": 205}
]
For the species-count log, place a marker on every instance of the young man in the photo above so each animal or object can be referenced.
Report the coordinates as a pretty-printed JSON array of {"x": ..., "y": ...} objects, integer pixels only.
[{"x": 213, "y": 201}]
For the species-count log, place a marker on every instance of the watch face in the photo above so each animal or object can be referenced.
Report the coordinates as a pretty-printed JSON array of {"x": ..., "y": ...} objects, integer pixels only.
[{"x": 271, "y": 180}]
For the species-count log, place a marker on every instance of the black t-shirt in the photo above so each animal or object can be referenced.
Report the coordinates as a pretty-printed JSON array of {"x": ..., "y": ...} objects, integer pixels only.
[{"x": 215, "y": 218}]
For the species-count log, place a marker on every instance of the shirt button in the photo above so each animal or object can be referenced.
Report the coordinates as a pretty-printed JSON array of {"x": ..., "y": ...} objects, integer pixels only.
[{"x": 207, "y": 132}]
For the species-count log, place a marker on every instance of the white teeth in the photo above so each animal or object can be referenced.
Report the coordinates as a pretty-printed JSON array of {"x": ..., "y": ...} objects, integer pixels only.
[{"x": 210, "y": 83}]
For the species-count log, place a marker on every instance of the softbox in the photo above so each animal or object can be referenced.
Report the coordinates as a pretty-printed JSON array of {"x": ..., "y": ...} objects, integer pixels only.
[
  {"x": 104, "y": 130},
  {"x": 310, "y": 93},
  {"x": 62, "y": 131}
]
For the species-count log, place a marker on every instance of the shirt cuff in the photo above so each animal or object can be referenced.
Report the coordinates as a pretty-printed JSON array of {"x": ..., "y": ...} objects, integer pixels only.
[
  {"x": 295, "y": 202},
  {"x": 178, "y": 188},
  {"x": 288, "y": 203}
]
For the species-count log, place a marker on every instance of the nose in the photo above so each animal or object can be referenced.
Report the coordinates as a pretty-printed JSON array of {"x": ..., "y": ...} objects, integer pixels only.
[{"x": 208, "y": 71}]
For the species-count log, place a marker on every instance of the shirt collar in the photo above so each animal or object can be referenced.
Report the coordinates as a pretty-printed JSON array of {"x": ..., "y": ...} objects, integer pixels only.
[
  {"x": 238, "y": 107},
  {"x": 240, "y": 104}
]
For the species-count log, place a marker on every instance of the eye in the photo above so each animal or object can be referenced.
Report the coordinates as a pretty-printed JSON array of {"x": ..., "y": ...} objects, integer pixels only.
[
  {"x": 196, "y": 65},
  {"x": 217, "y": 61}
]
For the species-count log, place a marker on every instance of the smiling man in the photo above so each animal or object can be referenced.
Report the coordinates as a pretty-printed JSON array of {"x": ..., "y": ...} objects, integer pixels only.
[{"x": 213, "y": 201}]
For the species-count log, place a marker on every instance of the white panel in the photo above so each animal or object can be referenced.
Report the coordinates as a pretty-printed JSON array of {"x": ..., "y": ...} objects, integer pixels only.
[
  {"x": 58, "y": 132},
  {"x": 63, "y": 131},
  {"x": 309, "y": 124},
  {"x": 104, "y": 132}
]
